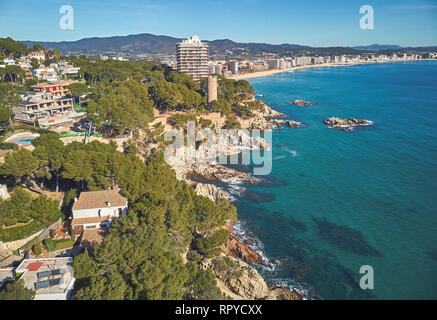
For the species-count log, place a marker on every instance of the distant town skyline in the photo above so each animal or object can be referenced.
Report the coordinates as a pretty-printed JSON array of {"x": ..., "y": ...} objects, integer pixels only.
[{"x": 313, "y": 23}]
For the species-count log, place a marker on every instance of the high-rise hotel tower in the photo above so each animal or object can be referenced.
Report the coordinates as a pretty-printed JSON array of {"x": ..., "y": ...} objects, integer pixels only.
[{"x": 192, "y": 57}]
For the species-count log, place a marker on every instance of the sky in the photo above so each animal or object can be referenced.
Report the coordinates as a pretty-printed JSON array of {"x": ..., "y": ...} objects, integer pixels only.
[{"x": 306, "y": 22}]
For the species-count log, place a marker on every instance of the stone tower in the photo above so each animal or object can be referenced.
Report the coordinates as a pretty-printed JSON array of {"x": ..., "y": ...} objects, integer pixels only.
[{"x": 212, "y": 88}]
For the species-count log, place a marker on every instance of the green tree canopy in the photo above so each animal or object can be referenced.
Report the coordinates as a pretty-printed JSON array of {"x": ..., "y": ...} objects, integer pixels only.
[{"x": 15, "y": 291}]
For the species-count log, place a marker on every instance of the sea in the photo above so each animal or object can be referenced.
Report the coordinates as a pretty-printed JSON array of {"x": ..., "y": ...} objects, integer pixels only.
[{"x": 349, "y": 214}]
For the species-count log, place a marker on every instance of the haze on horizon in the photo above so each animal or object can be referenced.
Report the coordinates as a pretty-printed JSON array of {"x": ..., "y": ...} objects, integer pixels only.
[{"x": 317, "y": 23}]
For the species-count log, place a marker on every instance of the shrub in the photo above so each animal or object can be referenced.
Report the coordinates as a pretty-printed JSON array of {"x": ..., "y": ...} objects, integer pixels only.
[
  {"x": 213, "y": 253},
  {"x": 180, "y": 120},
  {"x": 205, "y": 245},
  {"x": 16, "y": 233},
  {"x": 8, "y": 146},
  {"x": 225, "y": 265},
  {"x": 232, "y": 123},
  {"x": 193, "y": 256},
  {"x": 37, "y": 249}
]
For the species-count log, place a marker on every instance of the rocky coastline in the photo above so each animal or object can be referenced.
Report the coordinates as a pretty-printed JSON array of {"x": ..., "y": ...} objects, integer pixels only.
[{"x": 200, "y": 172}]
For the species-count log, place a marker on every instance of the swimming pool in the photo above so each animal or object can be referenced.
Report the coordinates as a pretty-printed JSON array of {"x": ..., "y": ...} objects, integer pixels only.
[{"x": 25, "y": 140}]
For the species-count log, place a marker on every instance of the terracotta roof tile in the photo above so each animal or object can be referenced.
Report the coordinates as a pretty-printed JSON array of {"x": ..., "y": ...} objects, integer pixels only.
[
  {"x": 88, "y": 220},
  {"x": 99, "y": 199}
]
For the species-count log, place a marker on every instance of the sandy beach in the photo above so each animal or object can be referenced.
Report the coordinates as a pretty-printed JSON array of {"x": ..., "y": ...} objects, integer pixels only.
[{"x": 266, "y": 73}]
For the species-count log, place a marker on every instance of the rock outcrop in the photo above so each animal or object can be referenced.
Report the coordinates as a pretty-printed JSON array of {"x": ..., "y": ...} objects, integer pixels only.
[
  {"x": 202, "y": 171},
  {"x": 281, "y": 293},
  {"x": 302, "y": 103},
  {"x": 345, "y": 124},
  {"x": 249, "y": 285},
  {"x": 268, "y": 112},
  {"x": 241, "y": 251},
  {"x": 210, "y": 191},
  {"x": 233, "y": 143},
  {"x": 260, "y": 123},
  {"x": 294, "y": 124}
]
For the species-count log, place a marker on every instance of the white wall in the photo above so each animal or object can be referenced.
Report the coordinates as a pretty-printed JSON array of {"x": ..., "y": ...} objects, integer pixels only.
[{"x": 91, "y": 213}]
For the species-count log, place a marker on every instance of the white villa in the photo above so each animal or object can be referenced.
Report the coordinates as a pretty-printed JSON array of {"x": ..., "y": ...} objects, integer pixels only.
[{"x": 96, "y": 209}]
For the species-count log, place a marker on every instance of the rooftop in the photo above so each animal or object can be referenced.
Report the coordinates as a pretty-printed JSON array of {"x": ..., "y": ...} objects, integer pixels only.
[
  {"x": 53, "y": 84},
  {"x": 89, "y": 220},
  {"x": 193, "y": 41},
  {"x": 99, "y": 199},
  {"x": 47, "y": 276}
]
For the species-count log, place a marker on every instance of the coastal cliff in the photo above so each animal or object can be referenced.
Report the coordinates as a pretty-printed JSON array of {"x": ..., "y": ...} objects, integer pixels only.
[{"x": 245, "y": 283}]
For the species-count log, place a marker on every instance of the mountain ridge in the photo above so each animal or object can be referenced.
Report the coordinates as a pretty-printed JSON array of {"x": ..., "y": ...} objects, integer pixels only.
[{"x": 162, "y": 44}]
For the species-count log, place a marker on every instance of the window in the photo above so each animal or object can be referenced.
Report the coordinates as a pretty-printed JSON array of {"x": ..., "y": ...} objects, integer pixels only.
[{"x": 90, "y": 227}]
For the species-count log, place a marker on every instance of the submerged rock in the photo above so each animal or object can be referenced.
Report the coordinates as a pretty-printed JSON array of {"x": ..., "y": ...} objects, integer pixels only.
[
  {"x": 302, "y": 103},
  {"x": 346, "y": 238}
]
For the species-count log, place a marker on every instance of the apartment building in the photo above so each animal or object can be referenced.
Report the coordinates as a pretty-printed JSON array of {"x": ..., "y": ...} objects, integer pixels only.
[
  {"x": 46, "y": 109},
  {"x": 192, "y": 57},
  {"x": 58, "y": 88}
]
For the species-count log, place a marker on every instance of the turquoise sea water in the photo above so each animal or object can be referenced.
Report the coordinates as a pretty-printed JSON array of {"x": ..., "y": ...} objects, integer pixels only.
[{"x": 338, "y": 200}]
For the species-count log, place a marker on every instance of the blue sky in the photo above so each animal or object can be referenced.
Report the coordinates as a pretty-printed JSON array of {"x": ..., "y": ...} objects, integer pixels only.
[{"x": 306, "y": 22}]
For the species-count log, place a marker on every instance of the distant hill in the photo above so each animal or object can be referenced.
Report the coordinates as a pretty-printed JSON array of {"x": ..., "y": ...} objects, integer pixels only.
[
  {"x": 154, "y": 44},
  {"x": 150, "y": 43},
  {"x": 138, "y": 43},
  {"x": 378, "y": 47}
]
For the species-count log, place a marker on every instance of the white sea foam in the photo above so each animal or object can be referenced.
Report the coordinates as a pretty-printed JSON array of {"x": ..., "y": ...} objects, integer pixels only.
[
  {"x": 236, "y": 190},
  {"x": 292, "y": 152},
  {"x": 279, "y": 157},
  {"x": 269, "y": 265}
]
